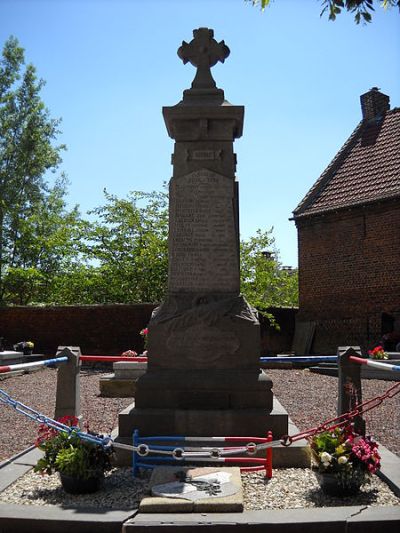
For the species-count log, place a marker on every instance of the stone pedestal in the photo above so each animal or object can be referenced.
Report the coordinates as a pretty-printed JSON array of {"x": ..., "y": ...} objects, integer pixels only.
[
  {"x": 122, "y": 384},
  {"x": 203, "y": 373}
]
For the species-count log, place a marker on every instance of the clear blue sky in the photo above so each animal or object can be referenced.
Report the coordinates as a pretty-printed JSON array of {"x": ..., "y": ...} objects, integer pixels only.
[{"x": 110, "y": 66}]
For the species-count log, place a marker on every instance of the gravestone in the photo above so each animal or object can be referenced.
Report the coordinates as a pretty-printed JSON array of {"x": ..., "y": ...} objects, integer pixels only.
[{"x": 203, "y": 372}]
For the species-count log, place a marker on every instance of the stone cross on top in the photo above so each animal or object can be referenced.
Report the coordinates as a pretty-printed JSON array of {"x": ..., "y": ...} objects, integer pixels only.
[{"x": 203, "y": 52}]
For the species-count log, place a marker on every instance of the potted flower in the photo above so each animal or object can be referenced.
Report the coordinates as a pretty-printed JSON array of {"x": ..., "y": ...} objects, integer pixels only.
[
  {"x": 343, "y": 460},
  {"x": 129, "y": 353},
  {"x": 80, "y": 464},
  {"x": 24, "y": 346},
  {"x": 144, "y": 333},
  {"x": 378, "y": 353}
]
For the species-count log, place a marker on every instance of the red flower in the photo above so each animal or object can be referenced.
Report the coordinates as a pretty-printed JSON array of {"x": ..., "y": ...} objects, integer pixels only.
[{"x": 68, "y": 420}]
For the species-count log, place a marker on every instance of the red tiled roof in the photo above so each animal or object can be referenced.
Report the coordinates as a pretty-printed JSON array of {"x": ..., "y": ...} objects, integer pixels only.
[{"x": 366, "y": 169}]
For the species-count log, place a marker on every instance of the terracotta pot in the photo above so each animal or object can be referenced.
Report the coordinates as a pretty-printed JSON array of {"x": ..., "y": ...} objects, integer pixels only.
[
  {"x": 77, "y": 485},
  {"x": 333, "y": 486}
]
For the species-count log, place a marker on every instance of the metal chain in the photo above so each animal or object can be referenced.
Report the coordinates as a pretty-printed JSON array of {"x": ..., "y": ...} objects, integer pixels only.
[
  {"x": 212, "y": 453},
  {"x": 343, "y": 419}
]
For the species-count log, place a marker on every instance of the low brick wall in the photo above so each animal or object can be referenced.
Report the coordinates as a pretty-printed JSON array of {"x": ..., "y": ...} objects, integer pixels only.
[
  {"x": 97, "y": 329},
  {"x": 109, "y": 329}
]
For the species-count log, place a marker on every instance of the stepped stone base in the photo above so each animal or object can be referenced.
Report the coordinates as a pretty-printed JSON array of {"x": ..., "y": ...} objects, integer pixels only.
[
  {"x": 122, "y": 384},
  {"x": 111, "y": 387},
  {"x": 238, "y": 422}
]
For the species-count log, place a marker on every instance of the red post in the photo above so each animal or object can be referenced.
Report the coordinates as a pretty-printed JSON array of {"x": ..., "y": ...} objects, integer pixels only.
[{"x": 268, "y": 457}]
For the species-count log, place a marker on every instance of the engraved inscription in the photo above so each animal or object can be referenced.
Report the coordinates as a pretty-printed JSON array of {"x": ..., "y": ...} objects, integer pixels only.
[
  {"x": 203, "y": 155},
  {"x": 203, "y": 254},
  {"x": 194, "y": 343}
]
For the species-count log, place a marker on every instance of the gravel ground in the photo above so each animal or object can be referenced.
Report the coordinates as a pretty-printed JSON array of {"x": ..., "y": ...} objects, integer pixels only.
[
  {"x": 289, "y": 488},
  {"x": 309, "y": 398}
]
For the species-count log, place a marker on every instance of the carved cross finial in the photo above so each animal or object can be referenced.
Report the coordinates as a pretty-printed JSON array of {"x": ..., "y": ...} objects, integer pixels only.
[{"x": 203, "y": 52}]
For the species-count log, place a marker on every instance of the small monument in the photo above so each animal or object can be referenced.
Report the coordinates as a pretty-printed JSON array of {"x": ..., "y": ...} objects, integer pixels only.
[{"x": 203, "y": 374}]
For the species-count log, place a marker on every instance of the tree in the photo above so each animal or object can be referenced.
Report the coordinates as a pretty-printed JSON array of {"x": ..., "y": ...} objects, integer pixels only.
[
  {"x": 35, "y": 227},
  {"x": 128, "y": 243},
  {"x": 124, "y": 258},
  {"x": 361, "y": 8},
  {"x": 264, "y": 282},
  {"x": 48, "y": 246}
]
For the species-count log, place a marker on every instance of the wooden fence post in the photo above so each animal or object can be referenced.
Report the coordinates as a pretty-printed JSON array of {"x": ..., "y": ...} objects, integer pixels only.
[
  {"x": 68, "y": 401},
  {"x": 349, "y": 385}
]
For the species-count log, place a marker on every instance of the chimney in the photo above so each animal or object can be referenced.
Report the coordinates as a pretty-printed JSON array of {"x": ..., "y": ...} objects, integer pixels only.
[{"x": 374, "y": 104}]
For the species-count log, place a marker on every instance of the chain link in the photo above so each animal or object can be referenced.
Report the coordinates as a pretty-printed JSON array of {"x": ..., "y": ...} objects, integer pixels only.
[{"x": 212, "y": 453}]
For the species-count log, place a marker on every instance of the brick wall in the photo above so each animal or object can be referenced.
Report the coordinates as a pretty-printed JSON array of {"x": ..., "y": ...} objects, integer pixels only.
[
  {"x": 97, "y": 329},
  {"x": 109, "y": 329},
  {"x": 349, "y": 273}
]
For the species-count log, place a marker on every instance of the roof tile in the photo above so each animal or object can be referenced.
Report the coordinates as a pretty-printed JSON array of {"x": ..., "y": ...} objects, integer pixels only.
[{"x": 367, "y": 168}]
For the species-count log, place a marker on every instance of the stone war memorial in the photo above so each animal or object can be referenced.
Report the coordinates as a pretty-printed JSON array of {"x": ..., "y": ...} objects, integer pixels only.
[{"x": 203, "y": 374}]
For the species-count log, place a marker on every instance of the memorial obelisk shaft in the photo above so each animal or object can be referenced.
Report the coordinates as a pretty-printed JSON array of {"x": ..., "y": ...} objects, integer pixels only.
[{"x": 204, "y": 340}]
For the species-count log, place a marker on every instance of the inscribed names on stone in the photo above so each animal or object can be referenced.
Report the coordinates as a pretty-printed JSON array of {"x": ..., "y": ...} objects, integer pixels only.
[{"x": 203, "y": 237}]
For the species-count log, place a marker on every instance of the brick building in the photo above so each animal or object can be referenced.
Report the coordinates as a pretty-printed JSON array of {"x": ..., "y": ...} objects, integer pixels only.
[{"x": 349, "y": 237}]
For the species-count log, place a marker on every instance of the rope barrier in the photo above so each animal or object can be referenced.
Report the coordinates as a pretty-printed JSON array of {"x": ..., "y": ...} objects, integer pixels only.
[
  {"x": 22, "y": 366},
  {"x": 112, "y": 358},
  {"x": 171, "y": 453},
  {"x": 299, "y": 359},
  {"x": 375, "y": 364}
]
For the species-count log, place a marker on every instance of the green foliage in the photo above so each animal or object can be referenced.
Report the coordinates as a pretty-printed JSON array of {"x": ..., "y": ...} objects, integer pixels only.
[
  {"x": 70, "y": 455},
  {"x": 129, "y": 243},
  {"x": 361, "y": 8},
  {"x": 36, "y": 231},
  {"x": 264, "y": 282},
  {"x": 326, "y": 442}
]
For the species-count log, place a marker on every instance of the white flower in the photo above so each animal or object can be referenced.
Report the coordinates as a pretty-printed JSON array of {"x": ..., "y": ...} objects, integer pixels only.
[
  {"x": 326, "y": 458},
  {"x": 342, "y": 460}
]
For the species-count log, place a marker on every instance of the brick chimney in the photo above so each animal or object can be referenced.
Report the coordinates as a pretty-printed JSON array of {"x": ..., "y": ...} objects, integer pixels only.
[{"x": 374, "y": 104}]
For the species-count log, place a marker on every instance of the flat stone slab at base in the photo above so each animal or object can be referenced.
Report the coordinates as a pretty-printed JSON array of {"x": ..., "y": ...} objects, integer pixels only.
[
  {"x": 122, "y": 384},
  {"x": 10, "y": 357},
  {"x": 111, "y": 387},
  {"x": 352, "y": 519},
  {"x": 164, "y": 479}
]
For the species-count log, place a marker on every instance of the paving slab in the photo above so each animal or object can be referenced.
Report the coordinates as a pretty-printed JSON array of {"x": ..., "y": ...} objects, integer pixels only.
[
  {"x": 168, "y": 474},
  {"x": 390, "y": 469},
  {"x": 55, "y": 519},
  {"x": 354, "y": 519},
  {"x": 18, "y": 466}
]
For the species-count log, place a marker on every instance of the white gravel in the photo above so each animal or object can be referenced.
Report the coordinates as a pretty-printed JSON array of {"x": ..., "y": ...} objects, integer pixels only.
[
  {"x": 293, "y": 488},
  {"x": 309, "y": 399},
  {"x": 288, "y": 489}
]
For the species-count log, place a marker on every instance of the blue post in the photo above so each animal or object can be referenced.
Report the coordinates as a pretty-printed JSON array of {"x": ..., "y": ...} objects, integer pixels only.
[{"x": 135, "y": 456}]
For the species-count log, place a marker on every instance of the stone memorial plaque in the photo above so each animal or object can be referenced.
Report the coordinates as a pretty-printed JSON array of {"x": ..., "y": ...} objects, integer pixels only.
[
  {"x": 203, "y": 237},
  {"x": 214, "y": 485}
]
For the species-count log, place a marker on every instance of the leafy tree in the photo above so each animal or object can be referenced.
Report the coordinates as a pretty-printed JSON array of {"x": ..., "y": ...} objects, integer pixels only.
[
  {"x": 263, "y": 280},
  {"x": 35, "y": 228},
  {"x": 47, "y": 245},
  {"x": 128, "y": 244},
  {"x": 361, "y": 8}
]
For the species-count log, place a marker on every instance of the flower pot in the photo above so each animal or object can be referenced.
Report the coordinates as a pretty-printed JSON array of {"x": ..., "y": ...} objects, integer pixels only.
[
  {"x": 332, "y": 485},
  {"x": 27, "y": 351},
  {"x": 77, "y": 485}
]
